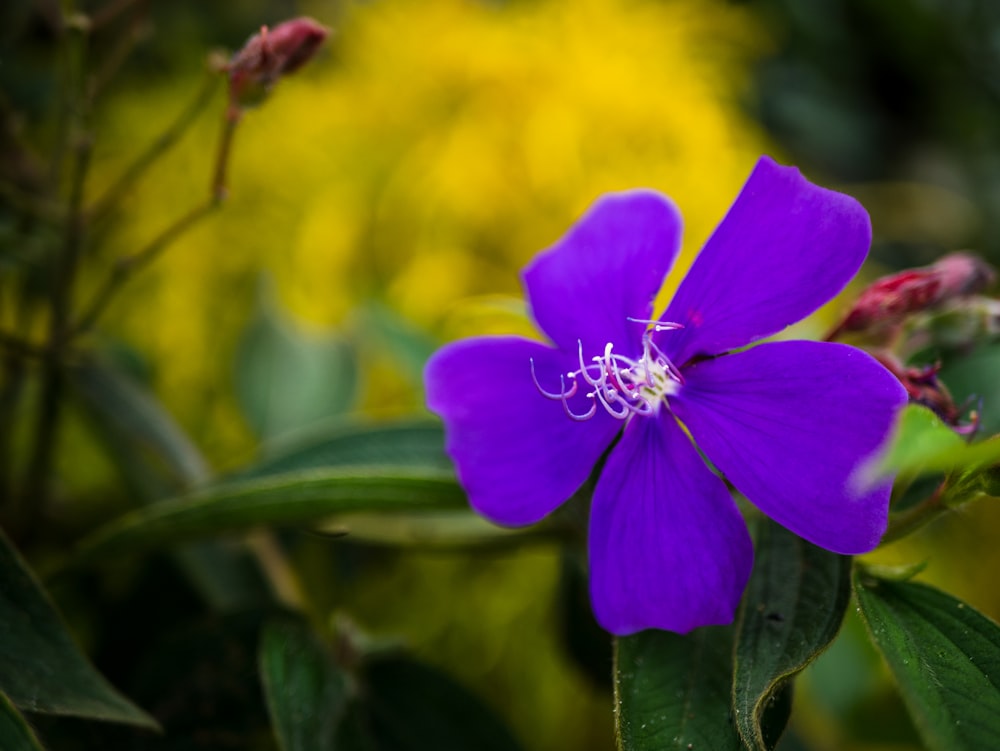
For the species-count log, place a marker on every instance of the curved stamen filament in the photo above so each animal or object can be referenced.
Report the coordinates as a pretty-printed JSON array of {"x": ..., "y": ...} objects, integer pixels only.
[
  {"x": 564, "y": 394},
  {"x": 623, "y": 386}
]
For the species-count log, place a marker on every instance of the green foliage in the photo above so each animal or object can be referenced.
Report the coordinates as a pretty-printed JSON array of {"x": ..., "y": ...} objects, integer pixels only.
[
  {"x": 287, "y": 378},
  {"x": 150, "y": 449},
  {"x": 41, "y": 669},
  {"x": 923, "y": 444},
  {"x": 306, "y": 691},
  {"x": 404, "y": 443},
  {"x": 973, "y": 376},
  {"x": 15, "y": 735},
  {"x": 792, "y": 610},
  {"x": 408, "y": 706},
  {"x": 673, "y": 690},
  {"x": 944, "y": 655},
  {"x": 292, "y": 499}
]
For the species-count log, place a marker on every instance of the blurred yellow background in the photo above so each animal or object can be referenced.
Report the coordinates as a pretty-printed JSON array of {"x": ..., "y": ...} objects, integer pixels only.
[{"x": 421, "y": 162}]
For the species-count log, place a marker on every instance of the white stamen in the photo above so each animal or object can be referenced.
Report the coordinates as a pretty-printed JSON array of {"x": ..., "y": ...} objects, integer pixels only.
[{"x": 622, "y": 385}]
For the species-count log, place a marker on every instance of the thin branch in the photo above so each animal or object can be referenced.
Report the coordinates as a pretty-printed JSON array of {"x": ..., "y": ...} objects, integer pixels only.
[
  {"x": 26, "y": 506},
  {"x": 158, "y": 148},
  {"x": 128, "y": 266},
  {"x": 107, "y": 14},
  {"x": 124, "y": 44},
  {"x": 910, "y": 520},
  {"x": 29, "y": 504}
]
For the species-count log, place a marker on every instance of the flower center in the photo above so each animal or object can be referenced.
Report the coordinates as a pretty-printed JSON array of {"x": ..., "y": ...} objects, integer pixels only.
[{"x": 622, "y": 385}]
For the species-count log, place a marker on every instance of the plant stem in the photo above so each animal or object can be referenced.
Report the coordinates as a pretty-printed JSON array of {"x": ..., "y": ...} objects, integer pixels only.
[
  {"x": 127, "y": 267},
  {"x": 103, "y": 16},
  {"x": 157, "y": 149},
  {"x": 36, "y": 487},
  {"x": 28, "y": 504},
  {"x": 124, "y": 45},
  {"x": 906, "y": 522}
]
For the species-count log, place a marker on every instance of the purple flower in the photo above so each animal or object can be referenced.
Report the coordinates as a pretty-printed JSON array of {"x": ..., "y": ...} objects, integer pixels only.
[{"x": 786, "y": 423}]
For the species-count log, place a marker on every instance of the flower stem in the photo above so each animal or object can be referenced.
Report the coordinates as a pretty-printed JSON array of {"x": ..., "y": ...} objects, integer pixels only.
[
  {"x": 128, "y": 266},
  {"x": 157, "y": 149},
  {"x": 910, "y": 520},
  {"x": 123, "y": 46}
]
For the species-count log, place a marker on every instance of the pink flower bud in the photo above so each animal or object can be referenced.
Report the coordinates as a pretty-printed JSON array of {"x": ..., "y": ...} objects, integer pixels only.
[
  {"x": 271, "y": 54},
  {"x": 892, "y": 298}
]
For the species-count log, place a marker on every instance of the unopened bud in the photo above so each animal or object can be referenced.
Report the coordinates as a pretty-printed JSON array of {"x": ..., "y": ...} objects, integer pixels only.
[
  {"x": 891, "y": 298},
  {"x": 923, "y": 387},
  {"x": 271, "y": 54}
]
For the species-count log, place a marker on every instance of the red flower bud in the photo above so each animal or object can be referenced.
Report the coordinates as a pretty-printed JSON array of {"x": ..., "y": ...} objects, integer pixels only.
[
  {"x": 271, "y": 54},
  {"x": 892, "y": 298}
]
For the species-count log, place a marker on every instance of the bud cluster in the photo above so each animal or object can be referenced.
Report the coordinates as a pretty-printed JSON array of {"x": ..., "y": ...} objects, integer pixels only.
[{"x": 892, "y": 298}]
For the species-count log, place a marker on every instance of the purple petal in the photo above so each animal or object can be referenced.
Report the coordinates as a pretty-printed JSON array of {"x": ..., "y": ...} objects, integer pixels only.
[
  {"x": 518, "y": 455},
  {"x": 785, "y": 248},
  {"x": 668, "y": 548},
  {"x": 607, "y": 268},
  {"x": 788, "y": 424}
]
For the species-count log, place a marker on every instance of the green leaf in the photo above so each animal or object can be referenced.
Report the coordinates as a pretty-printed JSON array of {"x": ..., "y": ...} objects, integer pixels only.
[
  {"x": 923, "y": 444},
  {"x": 288, "y": 378},
  {"x": 413, "y": 707},
  {"x": 673, "y": 691},
  {"x": 973, "y": 484},
  {"x": 299, "y": 498},
  {"x": 945, "y": 657},
  {"x": 792, "y": 610},
  {"x": 456, "y": 529},
  {"x": 15, "y": 735},
  {"x": 409, "y": 443},
  {"x": 133, "y": 419},
  {"x": 41, "y": 669},
  {"x": 306, "y": 691},
  {"x": 387, "y": 331},
  {"x": 157, "y": 460}
]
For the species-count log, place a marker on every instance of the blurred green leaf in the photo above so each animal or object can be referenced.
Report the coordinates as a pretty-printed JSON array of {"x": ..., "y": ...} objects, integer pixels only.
[
  {"x": 354, "y": 733},
  {"x": 157, "y": 460},
  {"x": 390, "y": 332},
  {"x": 975, "y": 375},
  {"x": 306, "y": 691},
  {"x": 674, "y": 691},
  {"x": 409, "y": 706},
  {"x": 295, "y": 498},
  {"x": 288, "y": 378},
  {"x": 792, "y": 610},
  {"x": 923, "y": 444},
  {"x": 131, "y": 417},
  {"x": 15, "y": 735},
  {"x": 973, "y": 484},
  {"x": 41, "y": 669},
  {"x": 454, "y": 529},
  {"x": 409, "y": 443},
  {"x": 945, "y": 657}
]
